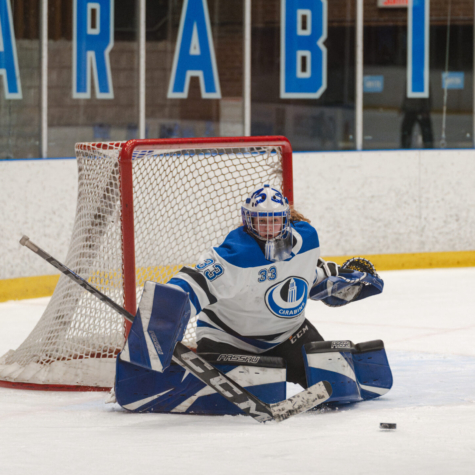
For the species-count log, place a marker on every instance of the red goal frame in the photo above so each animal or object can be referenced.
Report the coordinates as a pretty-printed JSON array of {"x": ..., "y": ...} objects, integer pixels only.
[{"x": 126, "y": 179}]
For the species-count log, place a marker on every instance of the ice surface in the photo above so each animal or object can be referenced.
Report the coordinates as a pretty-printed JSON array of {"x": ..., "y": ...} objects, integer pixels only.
[{"x": 427, "y": 321}]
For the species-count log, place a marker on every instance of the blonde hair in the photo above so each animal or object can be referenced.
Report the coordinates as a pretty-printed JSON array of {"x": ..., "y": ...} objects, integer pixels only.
[{"x": 296, "y": 216}]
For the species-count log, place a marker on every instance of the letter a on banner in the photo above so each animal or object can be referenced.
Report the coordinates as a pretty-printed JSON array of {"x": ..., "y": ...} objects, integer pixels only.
[
  {"x": 418, "y": 48},
  {"x": 93, "y": 38},
  {"x": 303, "y": 60},
  {"x": 8, "y": 57},
  {"x": 194, "y": 53}
]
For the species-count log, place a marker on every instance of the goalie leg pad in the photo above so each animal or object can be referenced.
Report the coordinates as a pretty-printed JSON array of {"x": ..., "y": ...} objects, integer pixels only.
[
  {"x": 372, "y": 369},
  {"x": 356, "y": 372},
  {"x": 177, "y": 391},
  {"x": 160, "y": 322}
]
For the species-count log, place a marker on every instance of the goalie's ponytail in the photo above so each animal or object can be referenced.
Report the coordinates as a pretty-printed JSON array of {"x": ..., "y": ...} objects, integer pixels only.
[{"x": 295, "y": 216}]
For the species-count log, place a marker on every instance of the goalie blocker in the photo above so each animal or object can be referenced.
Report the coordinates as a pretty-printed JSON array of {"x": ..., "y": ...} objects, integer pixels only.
[{"x": 161, "y": 321}]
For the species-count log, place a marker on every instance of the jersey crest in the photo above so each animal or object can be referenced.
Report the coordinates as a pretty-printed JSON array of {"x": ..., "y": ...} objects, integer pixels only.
[{"x": 288, "y": 298}]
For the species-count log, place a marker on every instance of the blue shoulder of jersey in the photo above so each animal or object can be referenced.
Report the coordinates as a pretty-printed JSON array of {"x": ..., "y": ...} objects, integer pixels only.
[
  {"x": 309, "y": 236},
  {"x": 241, "y": 250}
]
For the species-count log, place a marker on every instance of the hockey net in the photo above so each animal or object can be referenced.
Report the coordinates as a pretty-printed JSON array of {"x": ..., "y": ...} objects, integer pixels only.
[{"x": 145, "y": 208}]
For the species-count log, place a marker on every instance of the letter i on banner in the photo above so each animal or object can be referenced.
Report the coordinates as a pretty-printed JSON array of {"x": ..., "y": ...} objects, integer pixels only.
[
  {"x": 418, "y": 48},
  {"x": 93, "y": 38},
  {"x": 8, "y": 57},
  {"x": 194, "y": 53},
  {"x": 303, "y": 61}
]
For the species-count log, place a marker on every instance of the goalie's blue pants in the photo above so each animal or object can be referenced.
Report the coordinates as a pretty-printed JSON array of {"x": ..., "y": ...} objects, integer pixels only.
[{"x": 290, "y": 350}]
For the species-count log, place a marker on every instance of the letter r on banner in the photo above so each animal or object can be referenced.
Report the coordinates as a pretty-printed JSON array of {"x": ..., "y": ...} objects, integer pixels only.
[
  {"x": 194, "y": 53},
  {"x": 8, "y": 57},
  {"x": 418, "y": 48},
  {"x": 93, "y": 38},
  {"x": 303, "y": 56}
]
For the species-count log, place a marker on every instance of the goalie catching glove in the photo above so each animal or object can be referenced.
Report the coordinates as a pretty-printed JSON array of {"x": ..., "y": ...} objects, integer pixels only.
[{"x": 355, "y": 280}]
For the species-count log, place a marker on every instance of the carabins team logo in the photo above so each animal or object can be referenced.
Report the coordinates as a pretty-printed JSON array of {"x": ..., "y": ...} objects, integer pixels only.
[{"x": 288, "y": 298}]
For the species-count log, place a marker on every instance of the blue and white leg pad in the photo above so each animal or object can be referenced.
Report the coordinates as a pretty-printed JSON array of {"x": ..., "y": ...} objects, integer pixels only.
[
  {"x": 356, "y": 372},
  {"x": 160, "y": 322},
  {"x": 175, "y": 390}
]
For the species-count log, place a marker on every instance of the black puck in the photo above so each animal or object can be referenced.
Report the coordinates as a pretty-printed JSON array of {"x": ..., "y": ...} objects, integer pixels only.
[{"x": 387, "y": 425}]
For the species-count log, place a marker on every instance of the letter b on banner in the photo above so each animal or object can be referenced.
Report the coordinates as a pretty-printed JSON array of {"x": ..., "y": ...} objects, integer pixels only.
[
  {"x": 93, "y": 38},
  {"x": 303, "y": 65}
]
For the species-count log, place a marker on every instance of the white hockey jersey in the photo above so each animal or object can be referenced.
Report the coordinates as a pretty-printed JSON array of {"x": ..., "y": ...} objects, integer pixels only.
[{"x": 245, "y": 300}]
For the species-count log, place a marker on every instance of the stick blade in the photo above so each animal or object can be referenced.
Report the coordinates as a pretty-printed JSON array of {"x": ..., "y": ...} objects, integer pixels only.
[{"x": 303, "y": 401}]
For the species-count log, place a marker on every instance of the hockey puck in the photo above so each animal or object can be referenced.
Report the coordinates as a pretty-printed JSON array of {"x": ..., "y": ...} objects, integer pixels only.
[{"x": 387, "y": 425}]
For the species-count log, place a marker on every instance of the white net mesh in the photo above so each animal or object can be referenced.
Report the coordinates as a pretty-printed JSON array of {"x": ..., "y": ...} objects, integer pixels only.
[{"x": 184, "y": 202}]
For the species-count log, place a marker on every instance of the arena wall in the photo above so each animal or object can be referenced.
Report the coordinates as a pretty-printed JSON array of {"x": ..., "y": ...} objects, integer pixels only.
[
  {"x": 389, "y": 202},
  {"x": 405, "y": 209}
]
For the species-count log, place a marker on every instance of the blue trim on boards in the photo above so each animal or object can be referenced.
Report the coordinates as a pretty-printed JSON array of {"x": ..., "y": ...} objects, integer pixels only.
[{"x": 379, "y": 150}]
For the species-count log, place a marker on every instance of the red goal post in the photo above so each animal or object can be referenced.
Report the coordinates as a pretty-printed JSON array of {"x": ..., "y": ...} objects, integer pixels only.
[{"x": 126, "y": 158}]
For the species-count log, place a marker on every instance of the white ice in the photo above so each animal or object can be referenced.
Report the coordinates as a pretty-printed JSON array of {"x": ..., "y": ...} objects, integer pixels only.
[{"x": 427, "y": 321}]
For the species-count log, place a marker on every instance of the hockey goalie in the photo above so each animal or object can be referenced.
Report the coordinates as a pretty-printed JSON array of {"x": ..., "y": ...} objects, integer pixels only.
[{"x": 250, "y": 295}]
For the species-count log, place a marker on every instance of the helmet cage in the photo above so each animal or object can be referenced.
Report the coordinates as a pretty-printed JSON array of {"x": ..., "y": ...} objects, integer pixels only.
[{"x": 277, "y": 223}]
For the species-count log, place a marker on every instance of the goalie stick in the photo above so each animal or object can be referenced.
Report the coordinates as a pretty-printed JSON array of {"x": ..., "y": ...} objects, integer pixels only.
[{"x": 204, "y": 371}]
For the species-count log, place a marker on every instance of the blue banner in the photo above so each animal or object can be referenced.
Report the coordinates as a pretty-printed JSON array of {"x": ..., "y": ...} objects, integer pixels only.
[
  {"x": 453, "y": 80},
  {"x": 93, "y": 39},
  {"x": 418, "y": 48},
  {"x": 8, "y": 57},
  {"x": 303, "y": 65},
  {"x": 373, "y": 83},
  {"x": 194, "y": 53}
]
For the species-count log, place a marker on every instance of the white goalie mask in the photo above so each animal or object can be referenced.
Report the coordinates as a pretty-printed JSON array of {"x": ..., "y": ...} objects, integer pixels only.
[{"x": 266, "y": 215}]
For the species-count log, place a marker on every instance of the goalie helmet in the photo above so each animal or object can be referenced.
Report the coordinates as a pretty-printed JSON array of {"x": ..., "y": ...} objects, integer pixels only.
[{"x": 266, "y": 215}]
